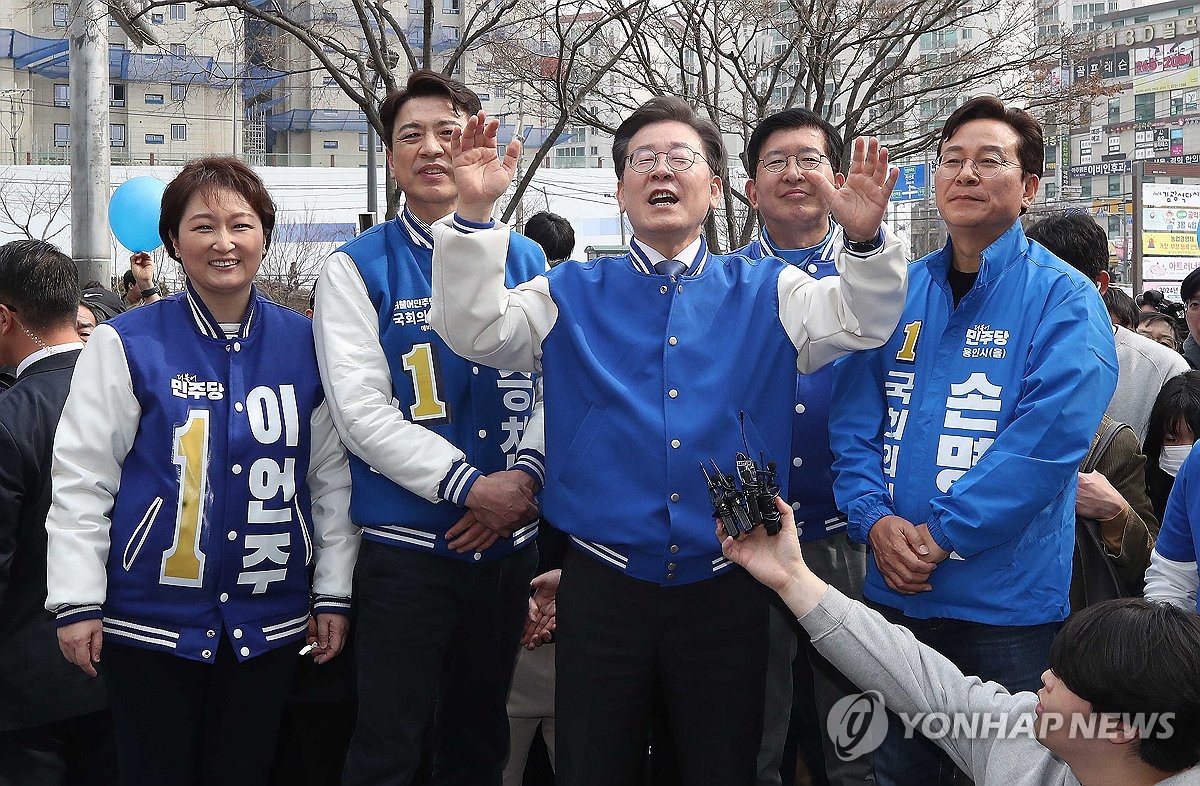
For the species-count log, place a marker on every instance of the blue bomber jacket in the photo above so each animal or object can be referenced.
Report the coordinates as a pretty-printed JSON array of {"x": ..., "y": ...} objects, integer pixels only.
[
  {"x": 197, "y": 476},
  {"x": 421, "y": 423},
  {"x": 974, "y": 420}
]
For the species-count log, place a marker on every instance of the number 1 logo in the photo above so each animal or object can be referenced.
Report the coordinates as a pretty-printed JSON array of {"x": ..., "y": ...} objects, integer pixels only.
[
  {"x": 908, "y": 350},
  {"x": 183, "y": 565}
]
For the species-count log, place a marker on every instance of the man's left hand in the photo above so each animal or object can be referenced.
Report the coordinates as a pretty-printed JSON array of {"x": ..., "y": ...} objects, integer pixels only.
[
  {"x": 331, "y": 636},
  {"x": 861, "y": 203}
]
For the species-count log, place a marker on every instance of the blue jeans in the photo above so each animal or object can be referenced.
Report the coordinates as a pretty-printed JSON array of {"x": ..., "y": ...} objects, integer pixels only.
[{"x": 1015, "y": 657}]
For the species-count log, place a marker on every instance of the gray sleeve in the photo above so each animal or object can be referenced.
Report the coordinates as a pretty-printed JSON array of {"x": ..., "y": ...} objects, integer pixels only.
[{"x": 912, "y": 679}]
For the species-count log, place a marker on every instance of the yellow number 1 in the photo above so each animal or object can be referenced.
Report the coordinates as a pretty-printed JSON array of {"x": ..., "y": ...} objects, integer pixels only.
[
  {"x": 183, "y": 565},
  {"x": 427, "y": 401},
  {"x": 908, "y": 350}
]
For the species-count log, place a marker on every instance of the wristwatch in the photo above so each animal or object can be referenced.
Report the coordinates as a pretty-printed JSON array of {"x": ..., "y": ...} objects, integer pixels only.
[
  {"x": 864, "y": 247},
  {"x": 148, "y": 292}
]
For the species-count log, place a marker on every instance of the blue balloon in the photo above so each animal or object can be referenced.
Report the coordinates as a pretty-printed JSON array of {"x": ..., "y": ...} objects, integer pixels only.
[{"x": 133, "y": 213}]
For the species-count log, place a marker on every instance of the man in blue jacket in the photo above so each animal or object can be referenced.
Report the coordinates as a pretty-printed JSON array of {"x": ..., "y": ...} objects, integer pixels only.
[
  {"x": 444, "y": 467},
  {"x": 650, "y": 359},
  {"x": 958, "y": 441},
  {"x": 785, "y": 156}
]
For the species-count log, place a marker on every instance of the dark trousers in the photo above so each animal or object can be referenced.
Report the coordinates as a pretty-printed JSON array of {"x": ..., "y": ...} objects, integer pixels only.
[
  {"x": 73, "y": 752},
  {"x": 435, "y": 632},
  {"x": 1014, "y": 656},
  {"x": 185, "y": 723},
  {"x": 700, "y": 649}
]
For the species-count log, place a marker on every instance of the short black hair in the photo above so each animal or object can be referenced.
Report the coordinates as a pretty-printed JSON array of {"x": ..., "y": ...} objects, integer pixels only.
[
  {"x": 835, "y": 146},
  {"x": 424, "y": 83},
  {"x": 663, "y": 109},
  {"x": 40, "y": 283},
  {"x": 553, "y": 233},
  {"x": 1131, "y": 656},
  {"x": 1121, "y": 308},
  {"x": 1030, "y": 151},
  {"x": 1190, "y": 285},
  {"x": 1177, "y": 402},
  {"x": 1076, "y": 239},
  {"x": 127, "y": 281}
]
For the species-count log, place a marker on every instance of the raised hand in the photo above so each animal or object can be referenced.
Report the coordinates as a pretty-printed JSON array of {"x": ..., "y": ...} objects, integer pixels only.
[
  {"x": 861, "y": 203},
  {"x": 481, "y": 175}
]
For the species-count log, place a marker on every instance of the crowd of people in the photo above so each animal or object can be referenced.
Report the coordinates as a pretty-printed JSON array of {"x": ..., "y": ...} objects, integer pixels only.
[{"x": 462, "y": 502}]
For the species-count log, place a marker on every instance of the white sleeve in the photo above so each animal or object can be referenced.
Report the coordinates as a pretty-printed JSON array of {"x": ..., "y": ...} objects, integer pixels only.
[
  {"x": 1168, "y": 581},
  {"x": 472, "y": 310},
  {"x": 531, "y": 453},
  {"x": 99, "y": 422},
  {"x": 335, "y": 538},
  {"x": 857, "y": 309},
  {"x": 358, "y": 387}
]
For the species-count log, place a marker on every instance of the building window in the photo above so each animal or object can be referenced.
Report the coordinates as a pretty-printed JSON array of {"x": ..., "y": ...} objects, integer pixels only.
[
  {"x": 154, "y": 139},
  {"x": 1085, "y": 187},
  {"x": 449, "y": 6},
  {"x": 116, "y": 49},
  {"x": 60, "y": 14},
  {"x": 116, "y": 95},
  {"x": 179, "y": 132},
  {"x": 362, "y": 143},
  {"x": 62, "y": 95},
  {"x": 1114, "y": 185},
  {"x": 330, "y": 144},
  {"x": 62, "y": 134},
  {"x": 179, "y": 92},
  {"x": 178, "y": 12},
  {"x": 116, "y": 134},
  {"x": 154, "y": 98},
  {"x": 1051, "y": 190},
  {"x": 179, "y": 50},
  {"x": 1143, "y": 107},
  {"x": 329, "y": 81},
  {"x": 156, "y": 19},
  {"x": 1114, "y": 110},
  {"x": 416, "y": 6},
  {"x": 329, "y": 16}
]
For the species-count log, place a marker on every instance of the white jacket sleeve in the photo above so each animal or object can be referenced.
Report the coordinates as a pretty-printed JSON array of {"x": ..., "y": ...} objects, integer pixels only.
[
  {"x": 335, "y": 538},
  {"x": 99, "y": 421},
  {"x": 473, "y": 311},
  {"x": 857, "y": 309},
  {"x": 358, "y": 387},
  {"x": 1168, "y": 581}
]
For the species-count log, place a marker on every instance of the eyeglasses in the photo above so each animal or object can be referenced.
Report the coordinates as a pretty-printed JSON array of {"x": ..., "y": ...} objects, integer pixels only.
[
  {"x": 679, "y": 159},
  {"x": 949, "y": 166},
  {"x": 807, "y": 162}
]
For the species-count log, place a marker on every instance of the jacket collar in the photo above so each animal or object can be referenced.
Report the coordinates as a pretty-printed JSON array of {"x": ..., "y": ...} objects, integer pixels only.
[
  {"x": 208, "y": 325},
  {"x": 1007, "y": 250},
  {"x": 418, "y": 231},
  {"x": 644, "y": 258}
]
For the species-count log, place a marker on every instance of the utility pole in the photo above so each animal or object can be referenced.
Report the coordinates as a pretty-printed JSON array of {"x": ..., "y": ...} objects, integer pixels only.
[{"x": 88, "y": 34}]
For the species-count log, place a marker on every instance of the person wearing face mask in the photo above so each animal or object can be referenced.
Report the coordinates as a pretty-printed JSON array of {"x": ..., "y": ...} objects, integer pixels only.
[
  {"x": 1172, "y": 576},
  {"x": 1174, "y": 423}
]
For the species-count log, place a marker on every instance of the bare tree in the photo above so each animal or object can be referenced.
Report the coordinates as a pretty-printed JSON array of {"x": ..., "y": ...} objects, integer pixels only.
[
  {"x": 559, "y": 63},
  {"x": 893, "y": 69},
  {"x": 37, "y": 207},
  {"x": 299, "y": 246}
]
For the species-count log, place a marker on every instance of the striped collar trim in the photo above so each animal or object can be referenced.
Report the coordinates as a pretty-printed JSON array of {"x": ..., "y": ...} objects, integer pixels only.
[
  {"x": 641, "y": 258},
  {"x": 207, "y": 324},
  {"x": 821, "y": 252},
  {"x": 417, "y": 230}
]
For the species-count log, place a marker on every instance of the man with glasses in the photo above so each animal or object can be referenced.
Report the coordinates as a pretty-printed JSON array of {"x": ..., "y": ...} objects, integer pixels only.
[
  {"x": 958, "y": 441},
  {"x": 650, "y": 361},
  {"x": 785, "y": 156}
]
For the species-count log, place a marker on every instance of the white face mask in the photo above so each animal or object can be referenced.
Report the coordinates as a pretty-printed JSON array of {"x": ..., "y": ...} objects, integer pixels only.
[{"x": 1172, "y": 458}]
